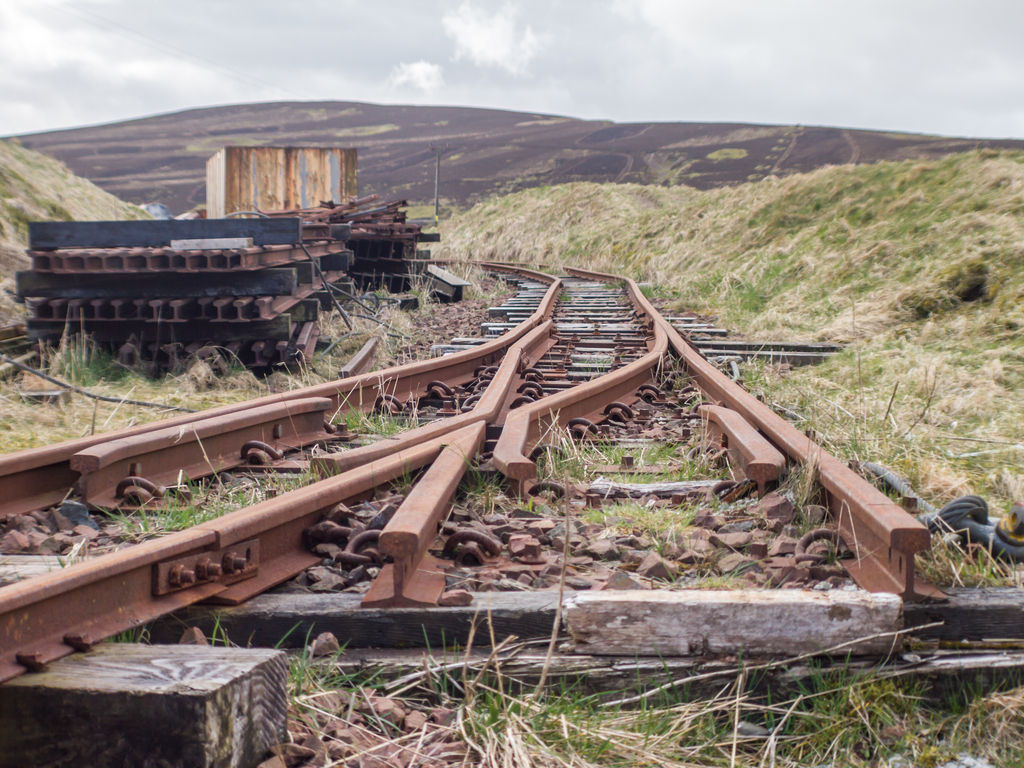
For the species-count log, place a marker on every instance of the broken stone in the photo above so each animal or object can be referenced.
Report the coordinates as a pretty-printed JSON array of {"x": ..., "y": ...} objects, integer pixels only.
[
  {"x": 688, "y": 557},
  {"x": 414, "y": 721},
  {"x": 620, "y": 580},
  {"x": 89, "y": 533},
  {"x": 42, "y": 544},
  {"x": 442, "y": 716},
  {"x": 578, "y": 582},
  {"x": 541, "y": 527},
  {"x": 13, "y": 543},
  {"x": 671, "y": 551},
  {"x": 602, "y": 549},
  {"x": 708, "y": 521},
  {"x": 633, "y": 557},
  {"x": 655, "y": 566},
  {"x": 815, "y": 514},
  {"x": 777, "y": 507},
  {"x": 319, "y": 757},
  {"x": 575, "y": 543},
  {"x": 326, "y": 579},
  {"x": 745, "y": 526},
  {"x": 757, "y": 550},
  {"x": 454, "y": 597},
  {"x": 735, "y": 541},
  {"x": 77, "y": 513},
  {"x": 524, "y": 546},
  {"x": 26, "y": 524},
  {"x": 783, "y": 545},
  {"x": 734, "y": 563},
  {"x": 325, "y": 644},
  {"x": 43, "y": 520},
  {"x": 525, "y": 514},
  {"x": 193, "y": 636}
]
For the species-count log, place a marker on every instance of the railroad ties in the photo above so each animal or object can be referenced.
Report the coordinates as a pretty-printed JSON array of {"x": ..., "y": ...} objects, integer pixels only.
[{"x": 583, "y": 357}]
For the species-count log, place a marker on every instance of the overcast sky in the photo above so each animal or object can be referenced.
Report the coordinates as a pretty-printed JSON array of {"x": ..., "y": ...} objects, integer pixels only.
[{"x": 954, "y": 68}]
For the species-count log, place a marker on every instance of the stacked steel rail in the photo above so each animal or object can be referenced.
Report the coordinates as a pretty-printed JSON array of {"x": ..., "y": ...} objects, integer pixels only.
[
  {"x": 384, "y": 244},
  {"x": 165, "y": 291},
  {"x": 564, "y": 365}
]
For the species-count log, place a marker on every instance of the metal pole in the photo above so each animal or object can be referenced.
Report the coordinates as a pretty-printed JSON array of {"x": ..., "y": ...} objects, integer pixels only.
[
  {"x": 437, "y": 183},
  {"x": 437, "y": 178}
]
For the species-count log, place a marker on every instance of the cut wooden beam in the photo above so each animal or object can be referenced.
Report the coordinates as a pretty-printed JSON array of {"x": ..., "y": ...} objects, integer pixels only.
[
  {"x": 124, "y": 704},
  {"x": 939, "y": 675},
  {"x": 284, "y": 620},
  {"x": 15, "y": 568},
  {"x": 49, "y": 235},
  {"x": 752, "y": 622},
  {"x": 971, "y": 613}
]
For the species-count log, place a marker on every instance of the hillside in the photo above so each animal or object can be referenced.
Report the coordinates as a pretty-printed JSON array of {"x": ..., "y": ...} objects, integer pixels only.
[
  {"x": 917, "y": 264},
  {"x": 34, "y": 187},
  {"x": 490, "y": 152}
]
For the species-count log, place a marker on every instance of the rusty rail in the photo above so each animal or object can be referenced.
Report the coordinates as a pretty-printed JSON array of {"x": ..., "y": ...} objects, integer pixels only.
[
  {"x": 41, "y": 477},
  {"x": 524, "y": 427},
  {"x": 759, "y": 459},
  {"x": 202, "y": 448},
  {"x": 237, "y": 556},
  {"x": 883, "y": 535}
]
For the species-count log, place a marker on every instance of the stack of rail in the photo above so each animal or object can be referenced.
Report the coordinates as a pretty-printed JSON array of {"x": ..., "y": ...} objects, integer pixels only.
[
  {"x": 385, "y": 245},
  {"x": 163, "y": 291}
]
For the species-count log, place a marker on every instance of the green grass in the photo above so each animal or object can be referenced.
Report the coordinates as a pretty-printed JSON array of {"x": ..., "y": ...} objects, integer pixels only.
[{"x": 914, "y": 265}]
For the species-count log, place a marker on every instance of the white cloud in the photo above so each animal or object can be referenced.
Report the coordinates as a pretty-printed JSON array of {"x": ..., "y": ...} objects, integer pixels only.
[
  {"x": 422, "y": 75},
  {"x": 491, "y": 40}
]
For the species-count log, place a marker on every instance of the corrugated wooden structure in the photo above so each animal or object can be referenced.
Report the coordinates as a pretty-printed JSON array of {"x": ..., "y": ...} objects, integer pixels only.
[{"x": 276, "y": 178}]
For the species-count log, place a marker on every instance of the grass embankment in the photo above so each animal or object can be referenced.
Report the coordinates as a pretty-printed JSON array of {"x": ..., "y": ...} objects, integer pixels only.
[
  {"x": 916, "y": 265},
  {"x": 34, "y": 187}
]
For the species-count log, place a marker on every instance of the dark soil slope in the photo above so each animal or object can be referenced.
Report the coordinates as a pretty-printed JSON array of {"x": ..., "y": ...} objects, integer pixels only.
[{"x": 163, "y": 158}]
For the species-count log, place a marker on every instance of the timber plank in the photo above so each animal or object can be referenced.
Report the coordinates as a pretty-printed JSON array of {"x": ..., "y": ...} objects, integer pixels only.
[
  {"x": 285, "y": 620},
  {"x": 970, "y": 613},
  {"x": 760, "y": 622},
  {"x": 50, "y": 235},
  {"x": 695, "y": 678},
  {"x": 122, "y": 704}
]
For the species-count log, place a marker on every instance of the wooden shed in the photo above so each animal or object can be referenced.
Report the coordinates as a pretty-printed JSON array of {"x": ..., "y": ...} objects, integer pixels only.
[{"x": 274, "y": 178}]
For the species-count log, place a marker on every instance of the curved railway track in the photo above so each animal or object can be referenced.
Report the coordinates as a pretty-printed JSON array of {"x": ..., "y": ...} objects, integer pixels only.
[{"x": 573, "y": 352}]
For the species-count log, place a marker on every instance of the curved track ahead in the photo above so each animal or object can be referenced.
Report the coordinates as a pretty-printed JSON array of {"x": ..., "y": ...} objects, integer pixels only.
[{"x": 574, "y": 350}]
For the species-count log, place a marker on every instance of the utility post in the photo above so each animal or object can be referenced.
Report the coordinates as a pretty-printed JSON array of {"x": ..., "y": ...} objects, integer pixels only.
[{"x": 438, "y": 150}]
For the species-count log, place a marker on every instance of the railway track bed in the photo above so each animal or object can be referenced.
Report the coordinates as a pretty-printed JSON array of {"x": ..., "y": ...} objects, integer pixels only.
[{"x": 580, "y": 464}]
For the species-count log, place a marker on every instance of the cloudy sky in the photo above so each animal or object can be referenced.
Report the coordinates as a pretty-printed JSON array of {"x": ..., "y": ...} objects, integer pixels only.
[{"x": 954, "y": 68}]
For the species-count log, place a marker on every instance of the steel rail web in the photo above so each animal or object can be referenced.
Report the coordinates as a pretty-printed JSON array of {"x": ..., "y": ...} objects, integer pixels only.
[
  {"x": 38, "y": 478},
  {"x": 883, "y": 535},
  {"x": 241, "y": 554}
]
